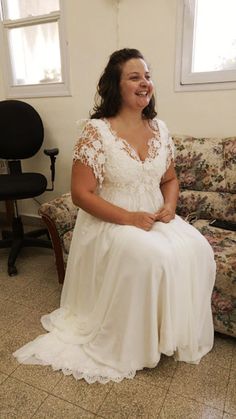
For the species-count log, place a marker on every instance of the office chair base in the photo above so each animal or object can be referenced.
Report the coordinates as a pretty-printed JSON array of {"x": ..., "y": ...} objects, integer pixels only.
[
  {"x": 12, "y": 271},
  {"x": 17, "y": 239}
]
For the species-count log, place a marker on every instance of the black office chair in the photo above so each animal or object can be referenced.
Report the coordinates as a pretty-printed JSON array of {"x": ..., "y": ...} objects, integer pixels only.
[{"x": 21, "y": 136}]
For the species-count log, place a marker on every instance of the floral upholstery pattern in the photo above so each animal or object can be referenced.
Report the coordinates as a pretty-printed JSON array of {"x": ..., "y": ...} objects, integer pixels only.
[
  {"x": 206, "y": 168},
  {"x": 207, "y": 205},
  {"x": 223, "y": 243},
  {"x": 206, "y": 163},
  {"x": 63, "y": 212},
  {"x": 60, "y": 216}
]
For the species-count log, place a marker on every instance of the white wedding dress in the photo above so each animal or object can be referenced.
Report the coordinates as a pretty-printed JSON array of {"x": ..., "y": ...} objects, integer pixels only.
[{"x": 129, "y": 295}]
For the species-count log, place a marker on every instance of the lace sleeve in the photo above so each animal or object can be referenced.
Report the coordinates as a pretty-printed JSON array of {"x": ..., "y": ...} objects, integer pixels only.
[
  {"x": 170, "y": 150},
  {"x": 168, "y": 143},
  {"x": 89, "y": 150}
]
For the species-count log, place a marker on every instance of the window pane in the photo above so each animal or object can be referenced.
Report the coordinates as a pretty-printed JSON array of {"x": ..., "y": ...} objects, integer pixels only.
[
  {"x": 16, "y": 9},
  {"x": 215, "y": 36},
  {"x": 35, "y": 54}
]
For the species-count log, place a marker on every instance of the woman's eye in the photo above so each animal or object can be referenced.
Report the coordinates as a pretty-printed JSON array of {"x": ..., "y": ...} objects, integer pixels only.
[
  {"x": 134, "y": 78},
  {"x": 148, "y": 77}
]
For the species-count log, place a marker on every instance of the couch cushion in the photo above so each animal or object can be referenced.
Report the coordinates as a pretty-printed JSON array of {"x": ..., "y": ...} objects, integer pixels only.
[
  {"x": 208, "y": 205},
  {"x": 206, "y": 169},
  {"x": 66, "y": 242},
  {"x": 206, "y": 163},
  {"x": 223, "y": 243},
  {"x": 230, "y": 163}
]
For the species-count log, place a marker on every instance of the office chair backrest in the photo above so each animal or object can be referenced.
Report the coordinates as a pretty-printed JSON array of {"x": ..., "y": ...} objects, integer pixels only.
[{"x": 21, "y": 130}]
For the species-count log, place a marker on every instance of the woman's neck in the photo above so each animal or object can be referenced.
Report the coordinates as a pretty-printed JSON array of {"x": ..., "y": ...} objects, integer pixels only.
[{"x": 129, "y": 118}]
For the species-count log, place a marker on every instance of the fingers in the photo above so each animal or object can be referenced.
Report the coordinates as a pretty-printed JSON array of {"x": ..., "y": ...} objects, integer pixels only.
[
  {"x": 144, "y": 220},
  {"x": 148, "y": 221},
  {"x": 164, "y": 215}
]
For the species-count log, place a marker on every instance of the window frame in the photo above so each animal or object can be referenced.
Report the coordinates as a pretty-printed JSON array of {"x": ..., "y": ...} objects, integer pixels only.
[
  {"x": 185, "y": 79},
  {"x": 35, "y": 90}
]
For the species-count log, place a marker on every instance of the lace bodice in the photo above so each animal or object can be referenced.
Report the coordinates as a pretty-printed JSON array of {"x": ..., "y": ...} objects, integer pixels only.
[
  {"x": 153, "y": 143},
  {"x": 115, "y": 163}
]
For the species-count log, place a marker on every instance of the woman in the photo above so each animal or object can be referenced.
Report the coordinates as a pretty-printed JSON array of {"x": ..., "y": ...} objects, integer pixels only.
[{"x": 139, "y": 278}]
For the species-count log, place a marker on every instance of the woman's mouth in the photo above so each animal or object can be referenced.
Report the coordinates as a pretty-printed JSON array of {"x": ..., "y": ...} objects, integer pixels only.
[{"x": 142, "y": 93}]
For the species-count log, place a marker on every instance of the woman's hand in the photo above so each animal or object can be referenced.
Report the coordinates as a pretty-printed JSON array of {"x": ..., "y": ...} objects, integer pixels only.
[
  {"x": 165, "y": 214},
  {"x": 140, "y": 219}
]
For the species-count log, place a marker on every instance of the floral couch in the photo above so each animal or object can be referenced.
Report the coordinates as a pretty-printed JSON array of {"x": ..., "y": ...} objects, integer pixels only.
[{"x": 206, "y": 169}]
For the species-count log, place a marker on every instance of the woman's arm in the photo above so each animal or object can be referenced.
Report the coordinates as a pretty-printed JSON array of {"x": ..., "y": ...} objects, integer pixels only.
[
  {"x": 170, "y": 190},
  {"x": 83, "y": 187}
]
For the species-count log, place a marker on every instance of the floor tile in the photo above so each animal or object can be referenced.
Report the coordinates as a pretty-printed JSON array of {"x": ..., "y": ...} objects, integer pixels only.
[
  {"x": 29, "y": 261},
  {"x": 55, "y": 408},
  {"x": 3, "y": 330},
  {"x": 202, "y": 383},
  {"x": 233, "y": 364},
  {"x": 230, "y": 404},
  {"x": 2, "y": 377},
  {"x": 10, "y": 285},
  {"x": 52, "y": 302},
  {"x": 31, "y": 258},
  {"x": 34, "y": 271},
  {"x": 33, "y": 296},
  {"x": 45, "y": 276},
  {"x": 221, "y": 354},
  {"x": 87, "y": 396},
  {"x": 42, "y": 377},
  {"x": 10, "y": 412},
  {"x": 161, "y": 375},
  {"x": 179, "y": 407},
  {"x": 193, "y": 390},
  {"x": 4, "y": 293},
  {"x": 228, "y": 416},
  {"x": 11, "y": 314},
  {"x": 19, "y": 335},
  {"x": 133, "y": 399},
  {"x": 19, "y": 398}
]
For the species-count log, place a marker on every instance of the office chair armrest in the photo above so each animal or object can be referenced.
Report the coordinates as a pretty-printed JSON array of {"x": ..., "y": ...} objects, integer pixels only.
[{"x": 52, "y": 153}]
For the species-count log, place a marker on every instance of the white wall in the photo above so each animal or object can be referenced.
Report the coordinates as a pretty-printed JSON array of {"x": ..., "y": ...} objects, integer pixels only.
[
  {"x": 95, "y": 28},
  {"x": 153, "y": 31}
]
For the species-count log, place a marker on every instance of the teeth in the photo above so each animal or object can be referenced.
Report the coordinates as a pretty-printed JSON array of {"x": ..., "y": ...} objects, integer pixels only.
[{"x": 142, "y": 93}]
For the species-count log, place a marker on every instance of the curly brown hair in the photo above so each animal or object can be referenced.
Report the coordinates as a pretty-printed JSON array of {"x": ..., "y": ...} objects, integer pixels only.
[{"x": 108, "y": 99}]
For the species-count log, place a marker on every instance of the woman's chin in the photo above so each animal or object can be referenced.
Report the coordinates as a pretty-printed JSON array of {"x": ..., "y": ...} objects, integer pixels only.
[{"x": 142, "y": 103}]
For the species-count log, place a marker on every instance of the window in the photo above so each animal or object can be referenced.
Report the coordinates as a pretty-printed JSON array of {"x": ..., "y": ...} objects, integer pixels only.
[
  {"x": 206, "y": 48},
  {"x": 34, "y": 56}
]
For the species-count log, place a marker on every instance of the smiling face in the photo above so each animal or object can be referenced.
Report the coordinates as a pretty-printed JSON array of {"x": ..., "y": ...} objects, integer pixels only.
[{"x": 136, "y": 86}]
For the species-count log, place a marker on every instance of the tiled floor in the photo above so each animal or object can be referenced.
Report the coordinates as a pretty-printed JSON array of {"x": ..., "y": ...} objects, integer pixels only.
[{"x": 171, "y": 390}]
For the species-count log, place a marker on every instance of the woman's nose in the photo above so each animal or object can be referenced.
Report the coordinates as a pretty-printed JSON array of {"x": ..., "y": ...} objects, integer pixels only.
[{"x": 144, "y": 82}]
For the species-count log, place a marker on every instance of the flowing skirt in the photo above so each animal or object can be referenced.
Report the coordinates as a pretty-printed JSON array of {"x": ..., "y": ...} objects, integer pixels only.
[{"x": 129, "y": 296}]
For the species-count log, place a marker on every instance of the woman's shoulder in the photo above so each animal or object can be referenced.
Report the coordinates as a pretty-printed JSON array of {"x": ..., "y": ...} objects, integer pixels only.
[
  {"x": 160, "y": 123},
  {"x": 161, "y": 127},
  {"x": 86, "y": 125}
]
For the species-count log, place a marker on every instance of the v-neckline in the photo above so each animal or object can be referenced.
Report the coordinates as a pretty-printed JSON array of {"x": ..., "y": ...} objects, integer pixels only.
[{"x": 129, "y": 148}]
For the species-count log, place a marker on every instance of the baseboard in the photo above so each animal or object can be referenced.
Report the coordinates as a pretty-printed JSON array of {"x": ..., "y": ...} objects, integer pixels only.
[{"x": 30, "y": 220}]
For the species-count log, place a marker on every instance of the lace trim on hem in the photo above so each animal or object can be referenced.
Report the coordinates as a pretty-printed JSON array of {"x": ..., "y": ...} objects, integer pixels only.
[{"x": 90, "y": 379}]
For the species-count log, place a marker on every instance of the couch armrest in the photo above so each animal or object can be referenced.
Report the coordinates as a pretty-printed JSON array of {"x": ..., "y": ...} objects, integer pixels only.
[
  {"x": 62, "y": 212},
  {"x": 59, "y": 216}
]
